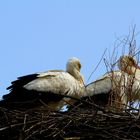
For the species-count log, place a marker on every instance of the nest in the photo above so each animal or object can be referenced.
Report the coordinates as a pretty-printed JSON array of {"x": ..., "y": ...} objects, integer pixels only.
[{"x": 85, "y": 120}]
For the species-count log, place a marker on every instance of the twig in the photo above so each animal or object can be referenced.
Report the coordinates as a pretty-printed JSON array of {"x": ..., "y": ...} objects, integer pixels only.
[{"x": 96, "y": 66}]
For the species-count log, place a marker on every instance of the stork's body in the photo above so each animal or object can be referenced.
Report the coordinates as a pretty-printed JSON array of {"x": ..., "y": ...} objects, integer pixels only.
[{"x": 49, "y": 86}]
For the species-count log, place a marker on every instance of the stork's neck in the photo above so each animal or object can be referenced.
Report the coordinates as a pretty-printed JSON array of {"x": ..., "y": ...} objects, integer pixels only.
[{"x": 76, "y": 74}]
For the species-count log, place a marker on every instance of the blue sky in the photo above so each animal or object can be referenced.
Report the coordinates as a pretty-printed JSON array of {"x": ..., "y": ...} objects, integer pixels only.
[{"x": 38, "y": 35}]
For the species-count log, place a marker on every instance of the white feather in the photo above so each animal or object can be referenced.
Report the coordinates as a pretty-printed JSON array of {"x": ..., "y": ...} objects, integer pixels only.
[{"x": 56, "y": 82}]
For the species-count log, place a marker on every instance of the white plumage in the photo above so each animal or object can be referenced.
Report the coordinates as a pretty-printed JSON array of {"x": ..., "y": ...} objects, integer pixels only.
[{"x": 56, "y": 82}]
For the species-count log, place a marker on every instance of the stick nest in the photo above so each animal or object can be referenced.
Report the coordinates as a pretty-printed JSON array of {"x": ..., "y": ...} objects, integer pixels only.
[{"x": 83, "y": 121}]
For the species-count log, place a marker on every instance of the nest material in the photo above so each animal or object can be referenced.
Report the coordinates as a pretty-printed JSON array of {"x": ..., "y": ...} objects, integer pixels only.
[{"x": 85, "y": 120}]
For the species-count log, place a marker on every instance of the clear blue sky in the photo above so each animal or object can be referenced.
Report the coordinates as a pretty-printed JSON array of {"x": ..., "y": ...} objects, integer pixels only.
[{"x": 38, "y": 35}]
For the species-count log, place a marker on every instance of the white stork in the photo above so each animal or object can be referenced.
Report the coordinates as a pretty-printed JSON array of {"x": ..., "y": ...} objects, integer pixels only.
[
  {"x": 50, "y": 85},
  {"x": 125, "y": 83}
]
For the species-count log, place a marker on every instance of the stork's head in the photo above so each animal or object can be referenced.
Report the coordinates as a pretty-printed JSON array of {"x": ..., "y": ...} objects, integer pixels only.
[
  {"x": 127, "y": 63},
  {"x": 73, "y": 63},
  {"x": 73, "y": 67}
]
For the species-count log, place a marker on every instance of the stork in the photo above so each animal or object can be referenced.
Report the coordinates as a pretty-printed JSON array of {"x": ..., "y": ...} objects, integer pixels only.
[
  {"x": 123, "y": 83},
  {"x": 51, "y": 85}
]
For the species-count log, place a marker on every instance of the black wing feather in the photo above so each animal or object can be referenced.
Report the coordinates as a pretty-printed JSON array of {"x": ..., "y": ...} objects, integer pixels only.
[
  {"x": 17, "y": 91},
  {"x": 21, "y": 81}
]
